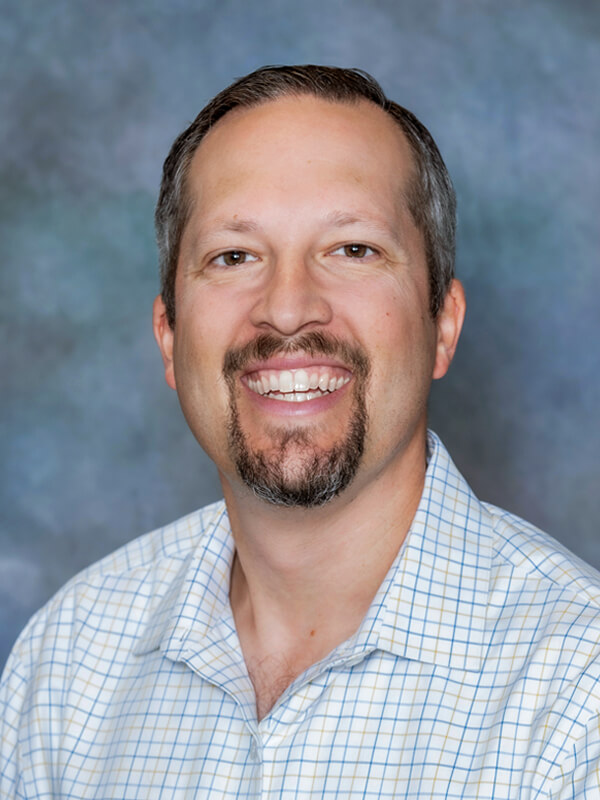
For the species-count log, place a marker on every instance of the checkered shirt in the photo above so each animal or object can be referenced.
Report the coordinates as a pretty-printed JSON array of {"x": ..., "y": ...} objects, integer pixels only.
[{"x": 475, "y": 674}]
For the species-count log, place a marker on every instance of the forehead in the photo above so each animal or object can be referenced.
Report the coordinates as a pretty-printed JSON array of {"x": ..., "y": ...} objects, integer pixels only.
[{"x": 287, "y": 140}]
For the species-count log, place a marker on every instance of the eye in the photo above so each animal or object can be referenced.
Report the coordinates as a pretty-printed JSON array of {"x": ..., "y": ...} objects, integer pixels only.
[
  {"x": 233, "y": 258},
  {"x": 355, "y": 250}
]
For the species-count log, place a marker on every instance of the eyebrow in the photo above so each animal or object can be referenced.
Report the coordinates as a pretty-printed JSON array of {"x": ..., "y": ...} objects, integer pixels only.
[
  {"x": 224, "y": 225},
  {"x": 341, "y": 219},
  {"x": 334, "y": 219},
  {"x": 237, "y": 226}
]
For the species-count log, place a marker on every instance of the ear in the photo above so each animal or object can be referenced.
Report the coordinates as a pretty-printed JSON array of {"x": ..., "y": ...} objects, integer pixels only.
[
  {"x": 163, "y": 333},
  {"x": 449, "y": 325}
]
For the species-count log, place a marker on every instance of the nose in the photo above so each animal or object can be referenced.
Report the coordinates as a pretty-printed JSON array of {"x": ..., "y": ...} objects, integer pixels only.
[{"x": 291, "y": 299}]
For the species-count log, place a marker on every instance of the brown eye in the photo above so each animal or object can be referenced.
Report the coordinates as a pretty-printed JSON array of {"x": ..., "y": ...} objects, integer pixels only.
[
  {"x": 356, "y": 250},
  {"x": 233, "y": 258}
]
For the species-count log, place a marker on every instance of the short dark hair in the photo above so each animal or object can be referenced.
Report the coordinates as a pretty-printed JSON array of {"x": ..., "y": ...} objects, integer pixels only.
[{"x": 430, "y": 195}]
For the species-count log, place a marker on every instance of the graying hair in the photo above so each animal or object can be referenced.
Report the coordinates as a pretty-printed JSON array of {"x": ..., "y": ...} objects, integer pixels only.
[{"x": 430, "y": 194}]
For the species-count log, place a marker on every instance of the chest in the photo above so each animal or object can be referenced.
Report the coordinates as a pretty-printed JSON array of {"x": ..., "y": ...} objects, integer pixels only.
[
  {"x": 380, "y": 728},
  {"x": 272, "y": 674},
  {"x": 270, "y": 678}
]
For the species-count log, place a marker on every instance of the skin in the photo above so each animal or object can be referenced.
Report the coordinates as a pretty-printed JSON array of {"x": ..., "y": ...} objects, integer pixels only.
[{"x": 292, "y": 183}]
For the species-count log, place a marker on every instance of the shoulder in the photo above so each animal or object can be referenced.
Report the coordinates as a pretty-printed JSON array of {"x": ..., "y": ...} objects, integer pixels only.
[
  {"x": 543, "y": 615},
  {"x": 114, "y": 596},
  {"x": 539, "y": 561},
  {"x": 541, "y": 648},
  {"x": 76, "y": 647}
]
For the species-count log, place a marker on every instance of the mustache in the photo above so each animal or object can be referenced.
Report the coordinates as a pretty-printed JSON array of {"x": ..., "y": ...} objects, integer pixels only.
[{"x": 313, "y": 343}]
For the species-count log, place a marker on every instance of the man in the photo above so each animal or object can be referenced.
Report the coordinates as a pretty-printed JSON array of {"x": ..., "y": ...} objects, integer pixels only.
[{"x": 351, "y": 621}]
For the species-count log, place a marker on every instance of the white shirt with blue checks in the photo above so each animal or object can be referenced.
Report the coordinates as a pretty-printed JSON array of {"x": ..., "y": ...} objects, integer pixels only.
[{"x": 475, "y": 674}]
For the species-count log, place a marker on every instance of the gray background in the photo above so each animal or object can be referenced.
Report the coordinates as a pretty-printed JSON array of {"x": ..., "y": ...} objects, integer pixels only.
[{"x": 95, "y": 448}]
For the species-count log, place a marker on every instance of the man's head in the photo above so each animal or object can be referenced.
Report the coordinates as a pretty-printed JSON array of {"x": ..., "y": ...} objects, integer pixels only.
[
  {"x": 305, "y": 342},
  {"x": 429, "y": 194}
]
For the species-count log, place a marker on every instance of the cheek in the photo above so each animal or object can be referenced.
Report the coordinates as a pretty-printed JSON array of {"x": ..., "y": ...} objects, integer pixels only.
[
  {"x": 197, "y": 359},
  {"x": 201, "y": 390},
  {"x": 191, "y": 345},
  {"x": 201, "y": 329},
  {"x": 401, "y": 340},
  {"x": 386, "y": 320}
]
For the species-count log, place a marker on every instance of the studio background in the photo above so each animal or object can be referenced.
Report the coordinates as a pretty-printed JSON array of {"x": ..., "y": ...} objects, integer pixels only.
[{"x": 95, "y": 449}]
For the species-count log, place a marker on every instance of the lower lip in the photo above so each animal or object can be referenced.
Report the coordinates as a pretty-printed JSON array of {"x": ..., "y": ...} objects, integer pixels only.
[{"x": 285, "y": 408}]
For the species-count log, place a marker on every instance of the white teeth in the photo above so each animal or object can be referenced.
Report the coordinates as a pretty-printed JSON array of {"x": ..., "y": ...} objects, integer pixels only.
[
  {"x": 301, "y": 380},
  {"x": 296, "y": 385},
  {"x": 286, "y": 381},
  {"x": 296, "y": 397}
]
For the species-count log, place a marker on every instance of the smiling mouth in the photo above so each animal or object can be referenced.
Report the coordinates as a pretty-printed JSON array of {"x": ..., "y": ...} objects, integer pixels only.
[{"x": 297, "y": 385}]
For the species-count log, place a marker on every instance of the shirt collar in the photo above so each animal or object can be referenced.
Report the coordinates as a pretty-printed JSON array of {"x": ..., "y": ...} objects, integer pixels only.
[
  {"x": 197, "y": 597},
  {"x": 431, "y": 607}
]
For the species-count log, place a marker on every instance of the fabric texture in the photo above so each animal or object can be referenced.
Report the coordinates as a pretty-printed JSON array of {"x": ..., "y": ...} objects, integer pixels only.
[{"x": 475, "y": 674}]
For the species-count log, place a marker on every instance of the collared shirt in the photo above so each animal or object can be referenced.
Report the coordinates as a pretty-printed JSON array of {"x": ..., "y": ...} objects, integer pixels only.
[{"x": 475, "y": 674}]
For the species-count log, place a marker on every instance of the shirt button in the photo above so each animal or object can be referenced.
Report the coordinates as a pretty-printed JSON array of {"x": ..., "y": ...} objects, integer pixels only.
[{"x": 254, "y": 751}]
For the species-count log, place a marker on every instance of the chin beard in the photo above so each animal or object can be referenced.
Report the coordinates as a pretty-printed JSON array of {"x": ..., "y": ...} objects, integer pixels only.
[{"x": 295, "y": 472}]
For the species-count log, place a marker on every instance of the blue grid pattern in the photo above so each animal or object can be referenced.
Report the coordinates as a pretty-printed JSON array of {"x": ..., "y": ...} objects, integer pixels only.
[{"x": 475, "y": 674}]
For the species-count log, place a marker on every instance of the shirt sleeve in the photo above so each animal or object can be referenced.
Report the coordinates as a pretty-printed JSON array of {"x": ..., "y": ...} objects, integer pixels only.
[
  {"x": 26, "y": 710},
  {"x": 11, "y": 696}
]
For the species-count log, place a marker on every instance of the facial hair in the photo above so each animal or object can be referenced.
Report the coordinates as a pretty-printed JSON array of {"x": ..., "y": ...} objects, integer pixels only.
[{"x": 321, "y": 474}]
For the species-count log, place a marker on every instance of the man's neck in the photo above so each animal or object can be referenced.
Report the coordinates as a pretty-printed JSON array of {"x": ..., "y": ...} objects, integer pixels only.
[{"x": 303, "y": 579}]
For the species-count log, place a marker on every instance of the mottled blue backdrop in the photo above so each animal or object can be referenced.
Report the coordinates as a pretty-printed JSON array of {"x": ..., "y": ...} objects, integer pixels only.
[{"x": 95, "y": 448}]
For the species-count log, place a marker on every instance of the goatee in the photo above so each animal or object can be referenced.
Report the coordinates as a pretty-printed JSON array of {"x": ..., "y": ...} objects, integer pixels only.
[{"x": 317, "y": 475}]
